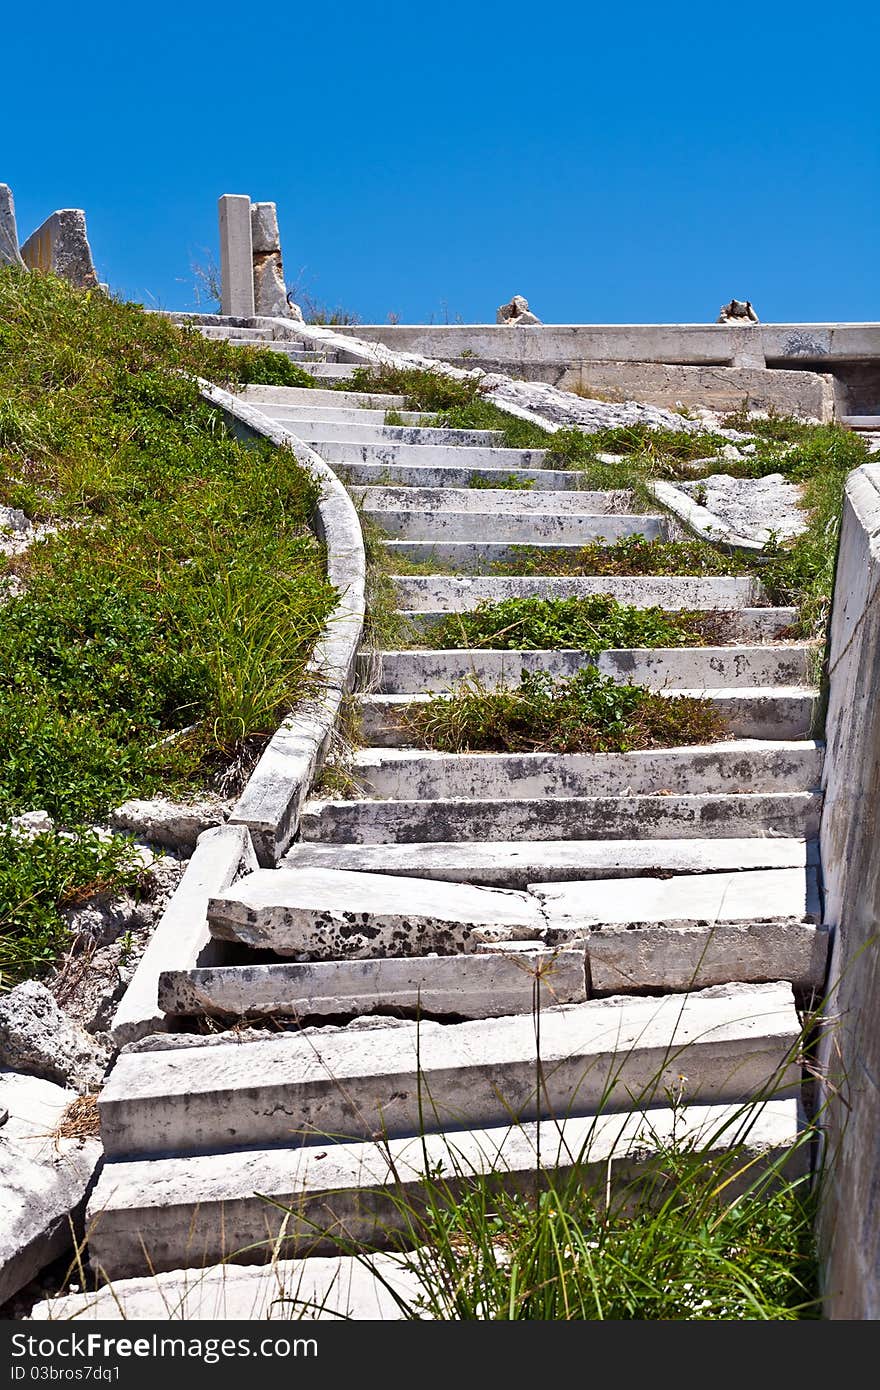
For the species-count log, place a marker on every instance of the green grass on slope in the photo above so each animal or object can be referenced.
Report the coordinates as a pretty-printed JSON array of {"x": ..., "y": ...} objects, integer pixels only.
[{"x": 165, "y": 627}]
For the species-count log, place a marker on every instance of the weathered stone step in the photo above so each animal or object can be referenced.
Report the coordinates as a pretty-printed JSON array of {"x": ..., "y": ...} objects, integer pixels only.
[
  {"x": 322, "y": 435},
  {"x": 783, "y": 712},
  {"x": 743, "y": 765},
  {"x": 623, "y": 817},
  {"x": 221, "y": 330},
  {"x": 290, "y": 415},
  {"x": 519, "y": 863},
  {"x": 259, "y": 395},
  {"x": 489, "y": 500},
  {"x": 461, "y": 986},
  {"x": 433, "y": 455},
  {"x": 321, "y": 914},
  {"x": 209, "y": 1207},
  {"x": 395, "y": 475},
  {"x": 332, "y": 371},
  {"x": 460, "y": 537},
  {"x": 694, "y": 668},
  {"x": 732, "y": 1043},
  {"x": 296, "y": 351},
  {"x": 746, "y": 625},
  {"x": 455, "y": 593}
]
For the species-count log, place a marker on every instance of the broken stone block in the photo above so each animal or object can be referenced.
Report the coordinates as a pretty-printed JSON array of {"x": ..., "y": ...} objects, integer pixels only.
[
  {"x": 61, "y": 247},
  {"x": 516, "y": 312},
  {"x": 174, "y": 824},
  {"x": 270, "y": 293},
  {"x": 38, "y": 1039},
  {"x": 738, "y": 311},
  {"x": 9, "y": 252}
]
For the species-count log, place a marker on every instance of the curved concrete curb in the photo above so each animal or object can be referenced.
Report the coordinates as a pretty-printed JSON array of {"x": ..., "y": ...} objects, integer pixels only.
[
  {"x": 264, "y": 820},
  {"x": 270, "y": 804}
]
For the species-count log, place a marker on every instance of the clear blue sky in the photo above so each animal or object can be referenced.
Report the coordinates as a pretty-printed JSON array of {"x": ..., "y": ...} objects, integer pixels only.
[{"x": 613, "y": 163}]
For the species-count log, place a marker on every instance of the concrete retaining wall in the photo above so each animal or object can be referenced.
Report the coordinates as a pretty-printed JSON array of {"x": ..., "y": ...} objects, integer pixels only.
[{"x": 850, "y": 847}]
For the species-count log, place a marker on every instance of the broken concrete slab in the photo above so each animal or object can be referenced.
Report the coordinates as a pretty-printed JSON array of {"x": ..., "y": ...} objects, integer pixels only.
[
  {"x": 732, "y": 1043},
  {"x": 164, "y": 1213},
  {"x": 328, "y": 913},
  {"x": 174, "y": 824},
  {"x": 60, "y": 246},
  {"x": 463, "y": 986},
  {"x": 375, "y": 1287},
  {"x": 44, "y": 1179}
]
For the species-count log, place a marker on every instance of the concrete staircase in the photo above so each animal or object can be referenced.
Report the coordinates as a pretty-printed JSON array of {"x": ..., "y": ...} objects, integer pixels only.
[
  {"x": 327, "y": 366},
  {"x": 661, "y": 908}
]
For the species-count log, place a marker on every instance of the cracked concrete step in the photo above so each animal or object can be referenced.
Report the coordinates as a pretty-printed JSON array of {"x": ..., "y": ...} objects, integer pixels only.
[
  {"x": 375, "y": 1288},
  {"x": 463, "y": 986},
  {"x": 379, "y": 500},
  {"x": 331, "y": 371},
  {"x": 745, "y": 625},
  {"x": 624, "y": 817},
  {"x": 167, "y": 1213},
  {"x": 740, "y": 765},
  {"x": 320, "y": 914},
  {"x": 420, "y": 671},
  {"x": 519, "y": 863},
  {"x": 454, "y": 593},
  {"x": 785, "y": 712},
  {"x": 368, "y": 474},
  {"x": 733, "y": 1043},
  {"x": 307, "y": 396},
  {"x": 433, "y": 455},
  {"x": 687, "y": 933},
  {"x": 322, "y": 435},
  {"x": 460, "y": 537}
]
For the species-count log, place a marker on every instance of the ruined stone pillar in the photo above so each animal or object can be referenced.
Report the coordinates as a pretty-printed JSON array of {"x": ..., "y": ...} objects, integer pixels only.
[
  {"x": 9, "y": 252},
  {"x": 236, "y": 256},
  {"x": 60, "y": 246}
]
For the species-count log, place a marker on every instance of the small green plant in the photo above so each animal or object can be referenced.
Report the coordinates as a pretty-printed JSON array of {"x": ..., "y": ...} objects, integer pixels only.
[
  {"x": 509, "y": 482},
  {"x": 587, "y": 624},
  {"x": 632, "y": 555},
  {"x": 587, "y": 713}
]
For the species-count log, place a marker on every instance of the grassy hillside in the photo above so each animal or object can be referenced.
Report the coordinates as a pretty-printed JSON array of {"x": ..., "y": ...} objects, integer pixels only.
[{"x": 163, "y": 629}]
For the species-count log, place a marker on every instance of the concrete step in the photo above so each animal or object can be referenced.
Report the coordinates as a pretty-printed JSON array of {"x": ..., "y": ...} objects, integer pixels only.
[
  {"x": 309, "y": 396},
  {"x": 210, "y": 1208},
  {"x": 490, "y": 500},
  {"x": 518, "y": 863},
  {"x": 784, "y": 712},
  {"x": 395, "y": 475},
  {"x": 646, "y": 816},
  {"x": 460, "y": 537},
  {"x": 743, "y": 625},
  {"x": 343, "y": 432},
  {"x": 314, "y": 415},
  {"x": 332, "y": 371},
  {"x": 743, "y": 766},
  {"x": 461, "y": 986},
  {"x": 652, "y": 934},
  {"x": 218, "y": 330},
  {"x": 433, "y": 455},
  {"x": 732, "y": 1043},
  {"x": 377, "y": 1288},
  {"x": 452, "y": 593},
  {"x": 322, "y": 914},
  {"x": 693, "y": 668}
]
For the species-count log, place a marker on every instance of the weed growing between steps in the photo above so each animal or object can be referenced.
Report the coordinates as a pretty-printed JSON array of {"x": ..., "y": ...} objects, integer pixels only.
[
  {"x": 631, "y": 555},
  {"x": 506, "y": 481},
  {"x": 590, "y": 624},
  {"x": 165, "y": 628},
  {"x": 586, "y": 713},
  {"x": 42, "y": 874}
]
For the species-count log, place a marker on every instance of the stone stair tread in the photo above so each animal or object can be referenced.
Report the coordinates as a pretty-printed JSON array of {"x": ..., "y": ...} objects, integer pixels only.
[
  {"x": 454, "y": 593},
  {"x": 464, "y": 986},
  {"x": 759, "y": 895},
  {"x": 307, "y": 396},
  {"x": 732, "y": 1042},
  {"x": 426, "y": 455},
  {"x": 343, "y": 1186},
  {"x": 378, "y": 498},
  {"x": 458, "y": 538},
  {"x": 350, "y": 432},
  {"x": 723, "y": 815},
  {"x": 414, "y": 475},
  {"x": 516, "y": 863}
]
